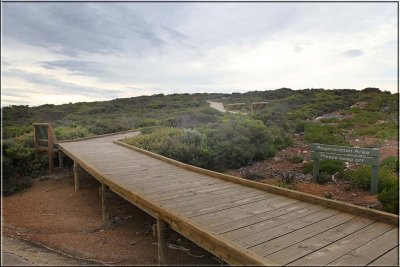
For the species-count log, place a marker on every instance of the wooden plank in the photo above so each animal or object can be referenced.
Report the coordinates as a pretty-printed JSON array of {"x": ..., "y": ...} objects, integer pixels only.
[
  {"x": 339, "y": 248},
  {"x": 391, "y": 258},
  {"x": 304, "y": 241},
  {"x": 194, "y": 202},
  {"x": 325, "y": 248},
  {"x": 142, "y": 170},
  {"x": 153, "y": 188},
  {"x": 370, "y": 251},
  {"x": 197, "y": 200},
  {"x": 200, "y": 191},
  {"x": 247, "y": 221},
  {"x": 283, "y": 229},
  {"x": 226, "y": 205},
  {"x": 266, "y": 224},
  {"x": 244, "y": 211}
]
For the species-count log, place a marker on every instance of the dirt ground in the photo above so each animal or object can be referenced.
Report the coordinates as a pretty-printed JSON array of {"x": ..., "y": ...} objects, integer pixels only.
[{"x": 52, "y": 214}]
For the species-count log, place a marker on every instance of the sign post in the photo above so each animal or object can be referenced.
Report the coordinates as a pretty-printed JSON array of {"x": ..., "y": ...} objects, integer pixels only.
[{"x": 368, "y": 156}]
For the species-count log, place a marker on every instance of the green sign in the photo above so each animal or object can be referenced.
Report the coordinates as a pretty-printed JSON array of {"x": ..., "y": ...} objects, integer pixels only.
[
  {"x": 345, "y": 150},
  {"x": 368, "y": 156},
  {"x": 346, "y": 158}
]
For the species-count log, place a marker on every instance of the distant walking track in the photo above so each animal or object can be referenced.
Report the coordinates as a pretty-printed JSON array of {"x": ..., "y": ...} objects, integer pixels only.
[
  {"x": 240, "y": 221},
  {"x": 217, "y": 105}
]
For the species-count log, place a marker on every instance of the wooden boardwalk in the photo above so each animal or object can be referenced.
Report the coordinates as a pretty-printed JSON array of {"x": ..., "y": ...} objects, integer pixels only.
[{"x": 242, "y": 222}]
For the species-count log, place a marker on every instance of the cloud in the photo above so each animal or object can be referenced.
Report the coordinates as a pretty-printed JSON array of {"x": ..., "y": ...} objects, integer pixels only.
[
  {"x": 352, "y": 53},
  {"x": 59, "y": 87},
  {"x": 75, "y": 28},
  {"x": 78, "y": 67}
]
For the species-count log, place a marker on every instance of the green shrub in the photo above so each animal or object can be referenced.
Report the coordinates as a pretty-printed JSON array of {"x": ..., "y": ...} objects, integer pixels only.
[
  {"x": 150, "y": 129},
  {"x": 389, "y": 198},
  {"x": 155, "y": 140},
  {"x": 185, "y": 145},
  {"x": 324, "y": 177},
  {"x": 18, "y": 166},
  {"x": 299, "y": 126},
  {"x": 361, "y": 177},
  {"x": 285, "y": 184},
  {"x": 71, "y": 132},
  {"x": 328, "y": 120},
  {"x": 252, "y": 175},
  {"x": 328, "y": 166},
  {"x": 233, "y": 143},
  {"x": 105, "y": 125},
  {"x": 308, "y": 167},
  {"x": 296, "y": 159},
  {"x": 237, "y": 142},
  {"x": 392, "y": 163},
  {"x": 145, "y": 122},
  {"x": 324, "y": 134},
  {"x": 388, "y": 185}
]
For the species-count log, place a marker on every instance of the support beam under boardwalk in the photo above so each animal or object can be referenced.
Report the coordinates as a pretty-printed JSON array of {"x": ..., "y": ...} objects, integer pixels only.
[
  {"x": 105, "y": 196},
  {"x": 162, "y": 237},
  {"x": 77, "y": 174}
]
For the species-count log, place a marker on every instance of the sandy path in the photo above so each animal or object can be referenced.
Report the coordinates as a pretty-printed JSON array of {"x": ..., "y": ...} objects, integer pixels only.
[{"x": 217, "y": 105}]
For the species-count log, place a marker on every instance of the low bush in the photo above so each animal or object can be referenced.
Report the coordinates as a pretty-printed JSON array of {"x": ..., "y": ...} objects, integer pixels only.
[
  {"x": 388, "y": 185},
  {"x": 18, "y": 166},
  {"x": 361, "y": 177},
  {"x": 389, "y": 198},
  {"x": 296, "y": 159},
  {"x": 237, "y": 142},
  {"x": 232, "y": 143},
  {"x": 252, "y": 175},
  {"x": 185, "y": 145},
  {"x": 324, "y": 134},
  {"x": 328, "y": 166},
  {"x": 391, "y": 163},
  {"x": 71, "y": 132}
]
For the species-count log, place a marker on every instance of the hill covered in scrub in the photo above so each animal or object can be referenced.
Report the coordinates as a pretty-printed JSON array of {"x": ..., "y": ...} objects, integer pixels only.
[{"x": 184, "y": 127}]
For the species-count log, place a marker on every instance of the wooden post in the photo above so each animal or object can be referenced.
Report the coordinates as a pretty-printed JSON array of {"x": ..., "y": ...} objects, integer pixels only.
[
  {"x": 162, "y": 237},
  {"x": 316, "y": 169},
  {"x": 50, "y": 151},
  {"x": 35, "y": 139},
  {"x": 105, "y": 195},
  {"x": 374, "y": 179},
  {"x": 76, "y": 175},
  {"x": 60, "y": 159}
]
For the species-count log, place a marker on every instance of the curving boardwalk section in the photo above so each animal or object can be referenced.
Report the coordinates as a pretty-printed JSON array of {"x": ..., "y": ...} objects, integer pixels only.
[{"x": 237, "y": 222}]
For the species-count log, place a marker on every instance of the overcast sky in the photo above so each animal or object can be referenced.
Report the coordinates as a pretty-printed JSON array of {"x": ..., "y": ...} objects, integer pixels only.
[{"x": 71, "y": 52}]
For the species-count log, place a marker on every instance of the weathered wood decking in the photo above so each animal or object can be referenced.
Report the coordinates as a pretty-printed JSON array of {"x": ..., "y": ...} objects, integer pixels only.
[{"x": 240, "y": 221}]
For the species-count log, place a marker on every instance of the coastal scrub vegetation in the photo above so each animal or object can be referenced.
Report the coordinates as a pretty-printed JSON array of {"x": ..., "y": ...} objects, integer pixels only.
[{"x": 184, "y": 127}]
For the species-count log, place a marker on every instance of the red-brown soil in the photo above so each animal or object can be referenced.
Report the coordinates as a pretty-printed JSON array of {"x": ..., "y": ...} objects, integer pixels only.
[{"x": 52, "y": 214}]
